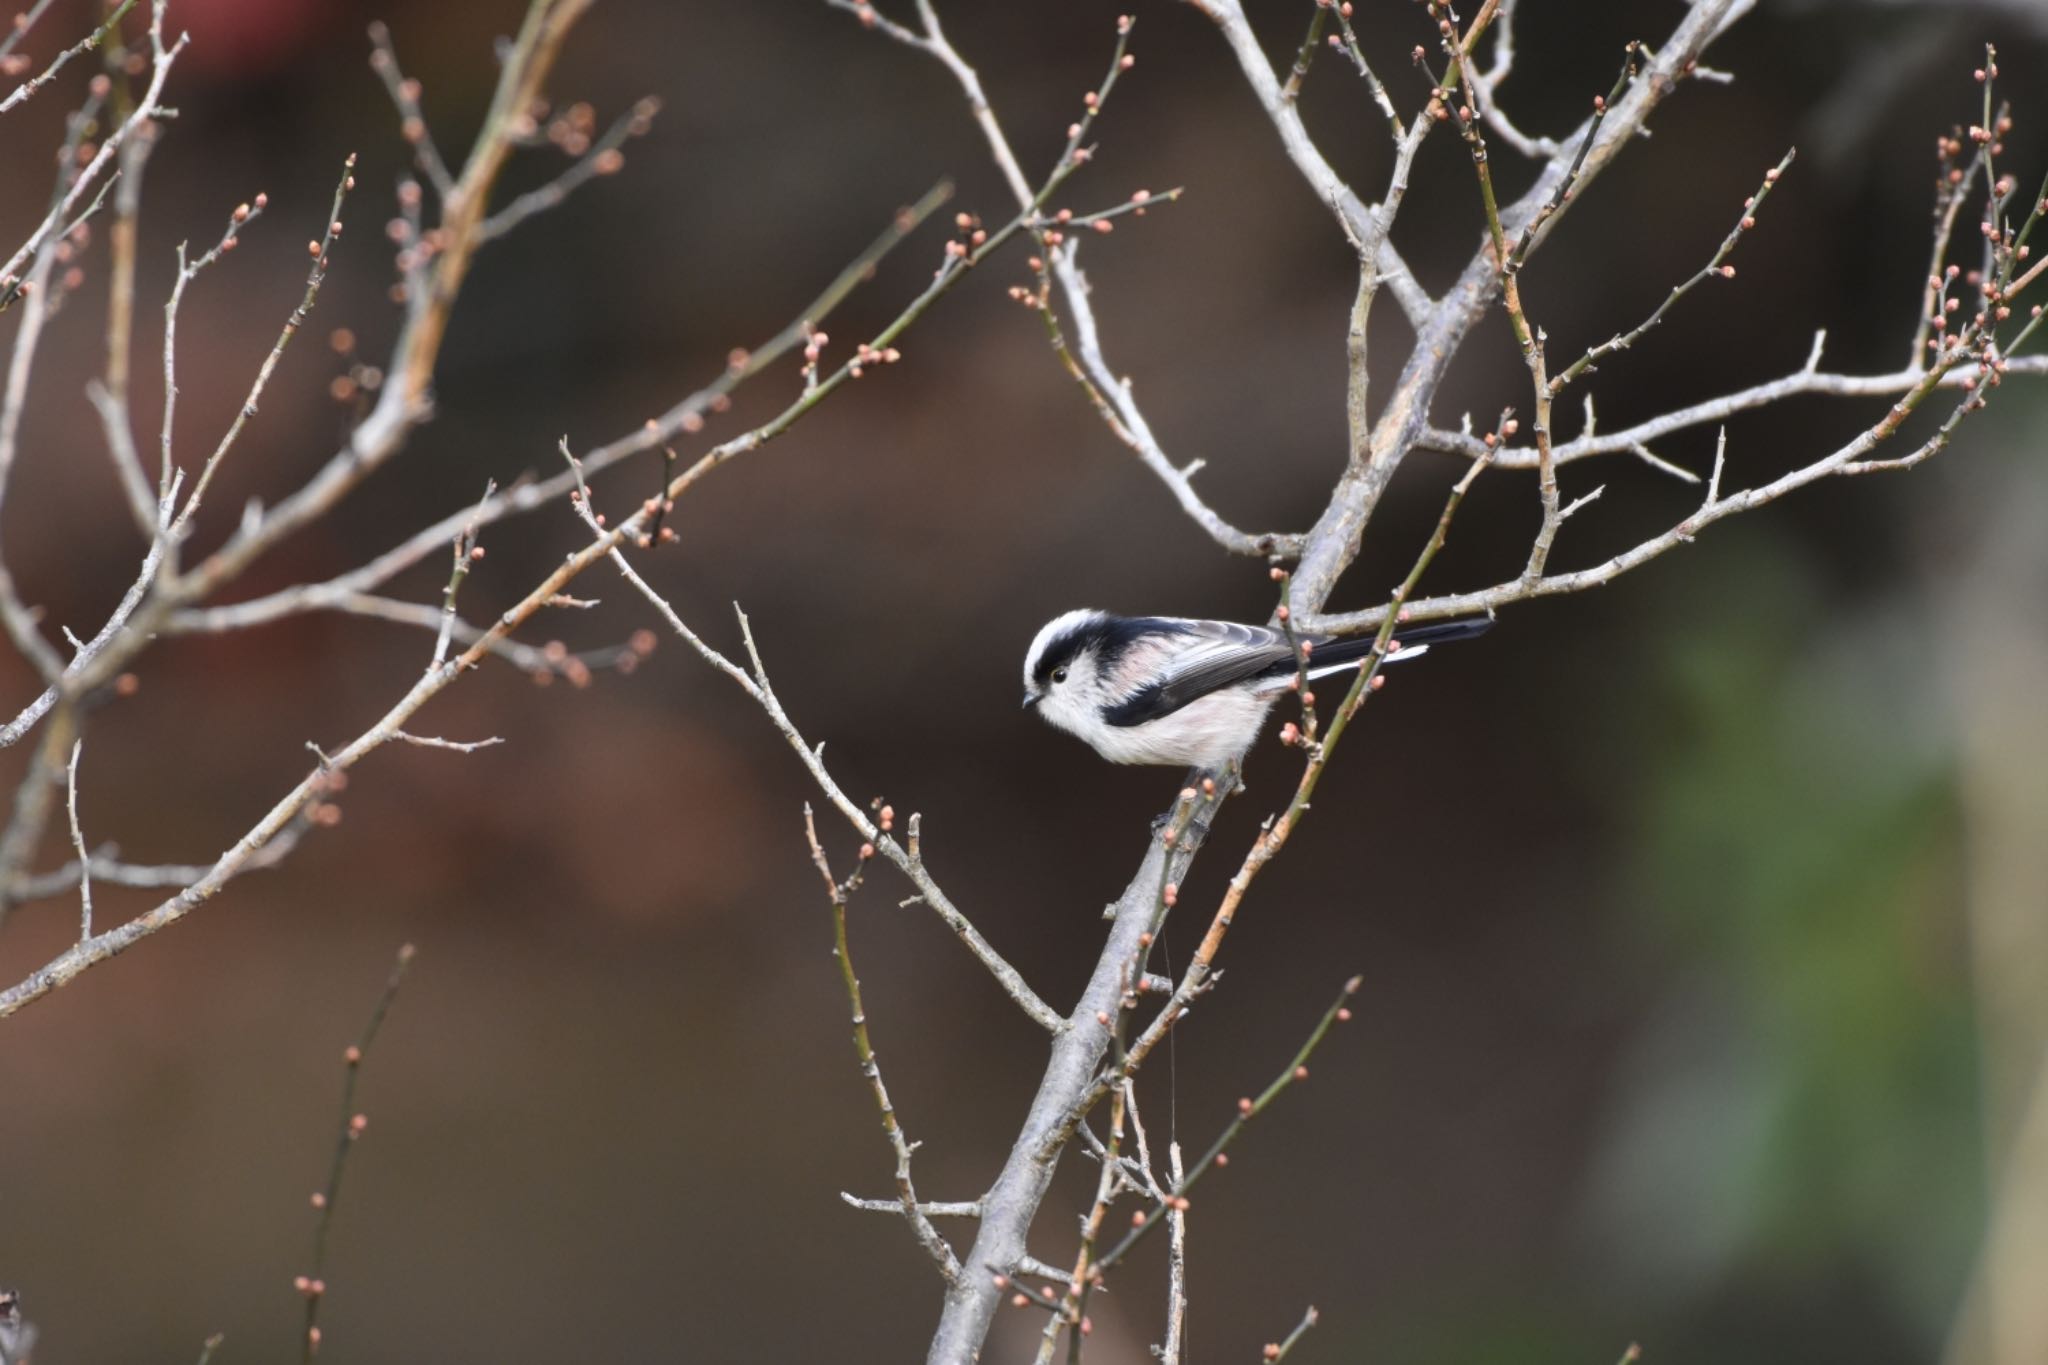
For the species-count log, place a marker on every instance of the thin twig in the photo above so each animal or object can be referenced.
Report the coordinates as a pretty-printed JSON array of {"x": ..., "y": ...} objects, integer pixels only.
[
  {"x": 111, "y": 871},
  {"x": 146, "y": 109},
  {"x": 78, "y": 842},
  {"x": 1111, "y": 396},
  {"x": 121, "y": 448},
  {"x": 20, "y": 622},
  {"x": 1853, "y": 457},
  {"x": 1528, "y": 337},
  {"x": 320, "y": 250},
  {"x": 757, "y": 686},
  {"x": 1486, "y": 83},
  {"x": 188, "y": 271},
  {"x": 92, "y": 40},
  {"x": 436, "y": 742},
  {"x": 528, "y": 659},
  {"x": 1335, "y": 540},
  {"x": 112, "y": 631},
  {"x": 603, "y": 158},
  {"x": 464, "y": 551},
  {"x": 312, "y": 1286},
  {"x": 19, "y": 29},
  {"x": 1715, "y": 267},
  {"x": 1634, "y": 440},
  {"x": 838, "y": 892},
  {"x": 236, "y": 859},
  {"x": 404, "y": 402},
  {"x": 686, "y": 417},
  {"x": 405, "y": 94},
  {"x": 958, "y": 1208},
  {"x": 1176, "y": 1263},
  {"x": 1279, "y": 1350},
  {"x": 1358, "y": 220},
  {"x": 1073, "y": 1307},
  {"x": 1566, "y": 183},
  {"x": 111, "y": 398},
  {"x": 1175, "y": 1196}
]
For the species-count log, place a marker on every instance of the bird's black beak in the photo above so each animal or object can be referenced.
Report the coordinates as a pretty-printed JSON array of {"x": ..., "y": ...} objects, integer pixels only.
[{"x": 1030, "y": 700}]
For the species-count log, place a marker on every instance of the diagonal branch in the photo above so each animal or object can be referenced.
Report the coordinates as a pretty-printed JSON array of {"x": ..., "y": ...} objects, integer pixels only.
[
  {"x": 908, "y": 859},
  {"x": 86, "y": 44},
  {"x": 316, "y": 275},
  {"x": 1112, "y": 396},
  {"x": 1848, "y": 459},
  {"x": 405, "y": 97},
  {"x": 839, "y": 893},
  {"x": 78, "y": 842},
  {"x": 20, "y": 622},
  {"x": 603, "y": 158},
  {"x": 405, "y": 401},
  {"x": 1335, "y": 540},
  {"x": 389, "y": 727},
  {"x": 146, "y": 109},
  {"x": 1633, "y": 440},
  {"x": 684, "y": 417},
  {"x": 1357, "y": 220}
]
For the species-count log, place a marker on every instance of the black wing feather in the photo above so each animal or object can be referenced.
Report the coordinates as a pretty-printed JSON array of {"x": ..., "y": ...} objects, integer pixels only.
[
  {"x": 1241, "y": 653},
  {"x": 1237, "y": 653},
  {"x": 1350, "y": 647}
]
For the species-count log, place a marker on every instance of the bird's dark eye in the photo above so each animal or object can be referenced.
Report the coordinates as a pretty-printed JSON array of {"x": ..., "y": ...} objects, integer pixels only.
[{"x": 1059, "y": 675}]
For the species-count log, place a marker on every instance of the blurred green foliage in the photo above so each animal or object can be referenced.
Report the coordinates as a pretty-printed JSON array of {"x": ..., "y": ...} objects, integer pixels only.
[{"x": 1804, "y": 1099}]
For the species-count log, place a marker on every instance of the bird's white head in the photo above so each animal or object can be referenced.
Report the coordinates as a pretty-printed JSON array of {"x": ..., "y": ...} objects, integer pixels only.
[{"x": 1060, "y": 670}]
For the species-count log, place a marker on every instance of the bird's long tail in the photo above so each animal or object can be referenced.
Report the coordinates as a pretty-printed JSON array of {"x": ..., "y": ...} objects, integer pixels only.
[{"x": 1334, "y": 656}]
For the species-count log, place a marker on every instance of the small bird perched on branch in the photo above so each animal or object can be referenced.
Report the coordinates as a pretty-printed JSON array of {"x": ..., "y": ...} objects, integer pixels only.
[{"x": 1169, "y": 690}]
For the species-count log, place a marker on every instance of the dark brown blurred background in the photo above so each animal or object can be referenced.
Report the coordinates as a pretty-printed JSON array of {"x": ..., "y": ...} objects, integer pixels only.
[{"x": 1677, "y": 904}]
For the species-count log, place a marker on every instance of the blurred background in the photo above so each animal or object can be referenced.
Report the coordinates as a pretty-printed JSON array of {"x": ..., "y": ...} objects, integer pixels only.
[{"x": 1703, "y": 919}]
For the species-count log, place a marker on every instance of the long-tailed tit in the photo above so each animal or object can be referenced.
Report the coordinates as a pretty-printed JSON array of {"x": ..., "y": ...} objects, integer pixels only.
[{"x": 1164, "y": 689}]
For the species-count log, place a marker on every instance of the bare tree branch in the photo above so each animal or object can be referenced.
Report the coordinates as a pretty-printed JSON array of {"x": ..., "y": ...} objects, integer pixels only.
[
  {"x": 15, "y": 616},
  {"x": 21, "y": 26},
  {"x": 405, "y": 95},
  {"x": 312, "y": 1286},
  {"x": 405, "y": 400},
  {"x": 1334, "y": 541},
  {"x": 117, "y": 622},
  {"x": 92, "y": 40},
  {"x": 686, "y": 417},
  {"x": 838, "y": 893},
  {"x": 146, "y": 109},
  {"x": 1849, "y": 458},
  {"x": 1112, "y": 396},
  {"x": 1634, "y": 440},
  {"x": 603, "y": 158},
  {"x": 909, "y": 860},
  {"x": 1279, "y": 1350},
  {"x": 315, "y": 277},
  {"x": 1329, "y": 188},
  {"x": 101, "y": 947},
  {"x": 111, "y": 871},
  {"x": 78, "y": 842}
]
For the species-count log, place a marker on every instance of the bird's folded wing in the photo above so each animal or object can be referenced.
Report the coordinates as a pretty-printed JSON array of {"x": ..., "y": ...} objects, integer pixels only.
[{"x": 1209, "y": 655}]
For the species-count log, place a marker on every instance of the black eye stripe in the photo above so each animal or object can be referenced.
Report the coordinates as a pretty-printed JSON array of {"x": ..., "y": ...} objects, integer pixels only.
[{"x": 1107, "y": 637}]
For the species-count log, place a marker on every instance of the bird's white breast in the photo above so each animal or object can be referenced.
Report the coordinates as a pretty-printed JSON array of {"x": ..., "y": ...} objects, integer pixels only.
[{"x": 1206, "y": 733}]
